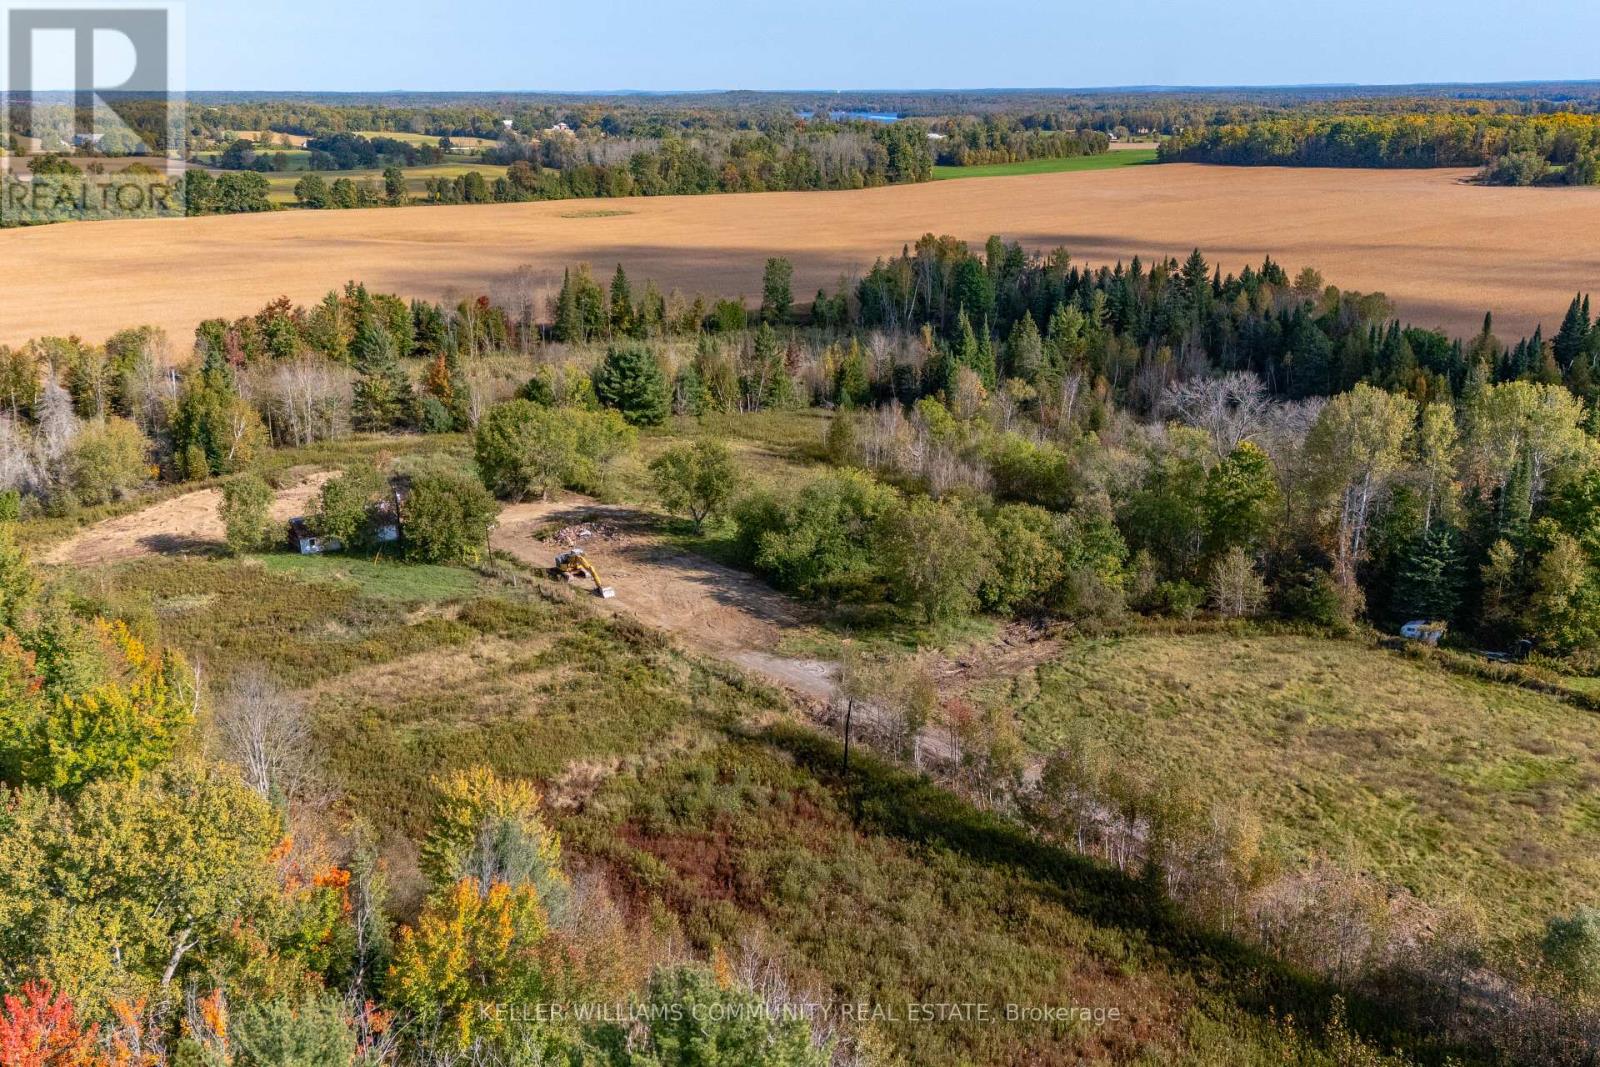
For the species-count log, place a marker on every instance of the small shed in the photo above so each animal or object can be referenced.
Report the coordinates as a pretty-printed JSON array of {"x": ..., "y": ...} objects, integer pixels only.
[
  {"x": 1424, "y": 631},
  {"x": 303, "y": 541}
]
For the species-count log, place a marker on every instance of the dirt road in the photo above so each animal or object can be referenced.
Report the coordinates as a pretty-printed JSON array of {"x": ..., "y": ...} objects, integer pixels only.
[
  {"x": 187, "y": 523},
  {"x": 713, "y": 609}
]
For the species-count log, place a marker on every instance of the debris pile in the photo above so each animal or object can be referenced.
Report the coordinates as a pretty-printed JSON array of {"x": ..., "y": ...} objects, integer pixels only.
[{"x": 575, "y": 535}]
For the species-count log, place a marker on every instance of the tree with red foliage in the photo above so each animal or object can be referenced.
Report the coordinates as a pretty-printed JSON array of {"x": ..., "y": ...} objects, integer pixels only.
[{"x": 39, "y": 1029}]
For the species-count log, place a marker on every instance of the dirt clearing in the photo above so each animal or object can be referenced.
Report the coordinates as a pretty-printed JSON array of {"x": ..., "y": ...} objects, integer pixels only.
[
  {"x": 1444, "y": 251},
  {"x": 186, "y": 523},
  {"x": 712, "y": 608}
]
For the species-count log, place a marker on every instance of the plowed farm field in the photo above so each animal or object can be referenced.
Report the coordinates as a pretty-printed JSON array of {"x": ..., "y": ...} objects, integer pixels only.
[{"x": 1443, "y": 250}]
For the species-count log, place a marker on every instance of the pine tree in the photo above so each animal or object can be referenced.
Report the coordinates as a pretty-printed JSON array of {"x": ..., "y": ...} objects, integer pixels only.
[
  {"x": 382, "y": 394},
  {"x": 777, "y": 296},
  {"x": 973, "y": 352},
  {"x": 622, "y": 312},
  {"x": 1428, "y": 585},
  {"x": 851, "y": 386},
  {"x": 1574, "y": 333},
  {"x": 569, "y": 318},
  {"x": 631, "y": 381},
  {"x": 987, "y": 364},
  {"x": 1193, "y": 278},
  {"x": 1025, "y": 351}
]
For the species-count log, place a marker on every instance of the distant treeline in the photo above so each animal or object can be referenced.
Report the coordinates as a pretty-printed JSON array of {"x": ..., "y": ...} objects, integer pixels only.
[
  {"x": 339, "y": 151},
  {"x": 972, "y": 142},
  {"x": 1513, "y": 149},
  {"x": 214, "y": 116},
  {"x": 643, "y": 115}
]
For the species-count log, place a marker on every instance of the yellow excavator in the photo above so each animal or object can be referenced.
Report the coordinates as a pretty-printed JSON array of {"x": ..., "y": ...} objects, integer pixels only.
[{"x": 574, "y": 566}]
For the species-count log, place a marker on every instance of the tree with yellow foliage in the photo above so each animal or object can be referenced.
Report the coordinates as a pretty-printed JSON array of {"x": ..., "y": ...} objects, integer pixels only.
[{"x": 88, "y": 702}]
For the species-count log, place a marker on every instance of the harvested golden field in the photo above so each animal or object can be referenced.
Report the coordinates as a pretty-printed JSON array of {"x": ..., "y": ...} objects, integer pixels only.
[{"x": 1445, "y": 251}]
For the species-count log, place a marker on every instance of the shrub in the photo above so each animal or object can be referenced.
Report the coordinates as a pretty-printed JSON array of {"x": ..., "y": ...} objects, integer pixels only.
[
  {"x": 1028, "y": 562},
  {"x": 1067, "y": 565},
  {"x": 1031, "y": 472},
  {"x": 841, "y": 442},
  {"x": 246, "y": 513},
  {"x": 345, "y": 503},
  {"x": 1313, "y": 596},
  {"x": 447, "y": 518},
  {"x": 822, "y": 542},
  {"x": 284, "y": 1034},
  {"x": 701, "y": 1020},
  {"x": 433, "y": 416},
  {"x": 560, "y": 387},
  {"x": 1180, "y": 598},
  {"x": 1516, "y": 168},
  {"x": 1571, "y": 948},
  {"x": 523, "y": 449},
  {"x": 108, "y": 461},
  {"x": 1096, "y": 560},
  {"x": 696, "y": 480},
  {"x": 938, "y": 554},
  {"x": 631, "y": 381}
]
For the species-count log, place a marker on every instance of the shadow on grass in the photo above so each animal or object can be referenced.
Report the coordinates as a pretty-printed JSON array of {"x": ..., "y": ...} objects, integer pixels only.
[{"x": 911, "y": 808}]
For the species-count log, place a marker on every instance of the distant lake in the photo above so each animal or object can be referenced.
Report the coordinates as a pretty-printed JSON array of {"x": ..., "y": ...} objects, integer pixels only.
[{"x": 869, "y": 116}]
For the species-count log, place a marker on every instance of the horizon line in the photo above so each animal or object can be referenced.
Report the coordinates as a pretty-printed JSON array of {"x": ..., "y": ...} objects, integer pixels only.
[{"x": 1134, "y": 88}]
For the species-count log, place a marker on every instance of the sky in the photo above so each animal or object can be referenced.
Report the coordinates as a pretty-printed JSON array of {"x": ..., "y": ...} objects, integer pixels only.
[{"x": 663, "y": 45}]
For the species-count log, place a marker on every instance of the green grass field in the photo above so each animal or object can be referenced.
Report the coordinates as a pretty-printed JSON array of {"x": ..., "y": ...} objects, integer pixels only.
[
  {"x": 1122, "y": 158},
  {"x": 1448, "y": 785},
  {"x": 297, "y": 158},
  {"x": 428, "y": 139},
  {"x": 283, "y": 183}
]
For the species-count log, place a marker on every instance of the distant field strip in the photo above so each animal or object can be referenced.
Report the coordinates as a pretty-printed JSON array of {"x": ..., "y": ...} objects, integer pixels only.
[
  {"x": 1444, "y": 251},
  {"x": 1106, "y": 161}
]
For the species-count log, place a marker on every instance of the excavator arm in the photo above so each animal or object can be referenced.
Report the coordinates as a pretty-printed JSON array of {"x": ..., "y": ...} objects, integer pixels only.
[{"x": 576, "y": 563}]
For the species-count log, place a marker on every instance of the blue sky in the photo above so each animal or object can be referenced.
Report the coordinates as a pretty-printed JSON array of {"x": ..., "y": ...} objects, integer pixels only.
[{"x": 363, "y": 45}]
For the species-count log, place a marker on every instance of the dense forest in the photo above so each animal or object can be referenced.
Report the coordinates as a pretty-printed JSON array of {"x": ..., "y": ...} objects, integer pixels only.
[{"x": 1512, "y": 149}]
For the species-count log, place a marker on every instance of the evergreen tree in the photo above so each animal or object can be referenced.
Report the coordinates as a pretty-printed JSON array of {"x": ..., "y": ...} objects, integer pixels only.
[
  {"x": 973, "y": 351},
  {"x": 622, "y": 312},
  {"x": 1428, "y": 583},
  {"x": 1193, "y": 278},
  {"x": 631, "y": 380},
  {"x": 1574, "y": 334},
  {"x": 1025, "y": 351},
  {"x": 851, "y": 385},
  {"x": 777, "y": 296},
  {"x": 382, "y": 393}
]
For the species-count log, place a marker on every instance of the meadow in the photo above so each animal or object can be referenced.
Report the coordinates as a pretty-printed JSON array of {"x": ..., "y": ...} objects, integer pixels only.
[
  {"x": 459, "y": 143},
  {"x": 283, "y": 184},
  {"x": 721, "y": 817},
  {"x": 1453, "y": 787},
  {"x": 1068, "y": 165},
  {"x": 1442, "y": 250}
]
